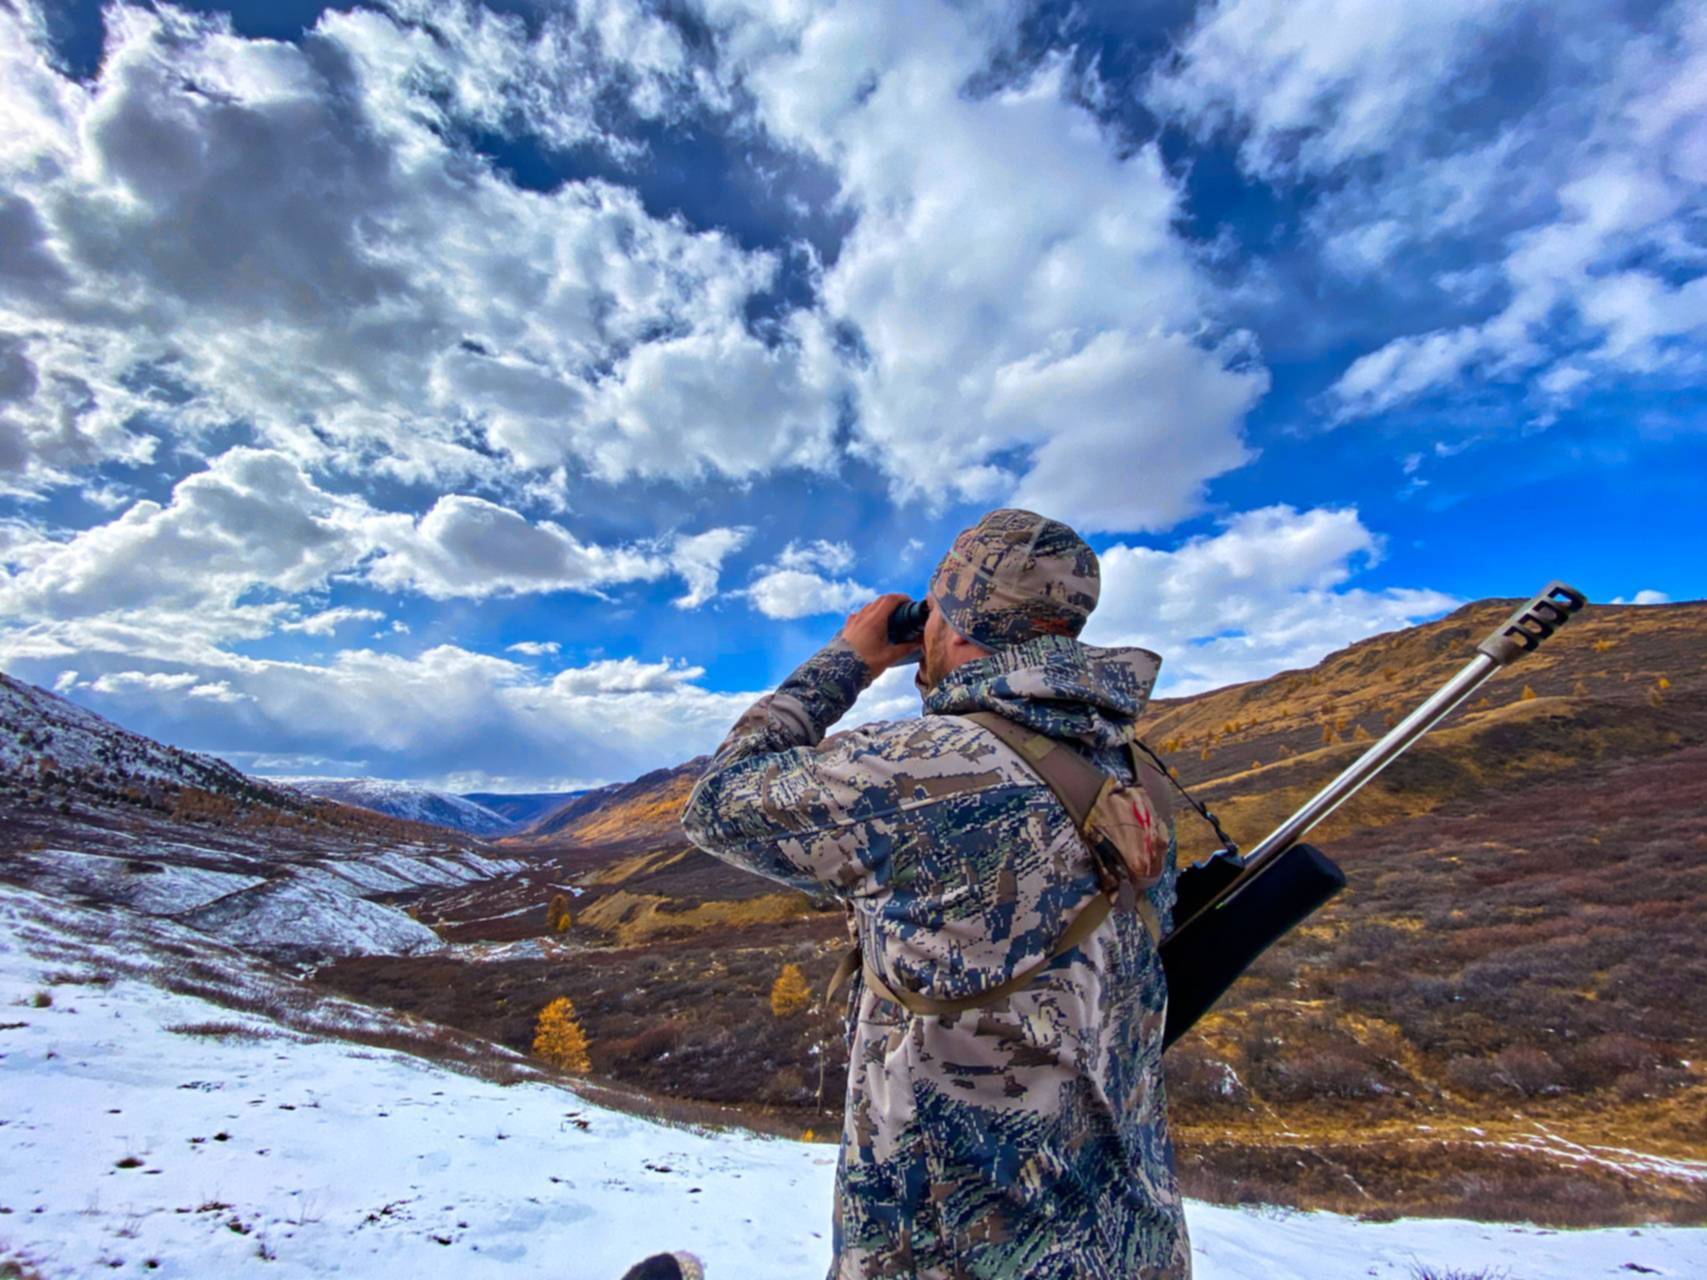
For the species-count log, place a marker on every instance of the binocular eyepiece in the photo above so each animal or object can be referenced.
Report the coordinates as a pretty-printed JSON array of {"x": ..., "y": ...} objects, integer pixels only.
[{"x": 907, "y": 623}]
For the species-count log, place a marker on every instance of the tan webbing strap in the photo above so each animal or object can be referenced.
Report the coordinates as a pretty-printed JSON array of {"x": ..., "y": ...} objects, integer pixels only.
[
  {"x": 1075, "y": 781},
  {"x": 1087, "y": 922},
  {"x": 844, "y": 970}
]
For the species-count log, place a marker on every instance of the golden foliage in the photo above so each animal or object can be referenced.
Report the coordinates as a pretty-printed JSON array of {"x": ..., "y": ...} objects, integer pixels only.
[
  {"x": 558, "y": 1037},
  {"x": 1601, "y": 646},
  {"x": 789, "y": 993},
  {"x": 557, "y": 913},
  {"x": 1526, "y": 695},
  {"x": 1360, "y": 734}
]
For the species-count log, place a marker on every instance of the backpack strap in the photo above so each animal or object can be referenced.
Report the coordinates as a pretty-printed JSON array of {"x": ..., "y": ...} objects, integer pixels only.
[
  {"x": 1076, "y": 782},
  {"x": 1078, "y": 785},
  {"x": 1087, "y": 922}
]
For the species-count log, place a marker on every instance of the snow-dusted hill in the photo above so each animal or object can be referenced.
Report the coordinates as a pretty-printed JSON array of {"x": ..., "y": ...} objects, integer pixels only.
[
  {"x": 94, "y": 813},
  {"x": 153, "y": 1132},
  {"x": 406, "y": 800},
  {"x": 42, "y": 732}
]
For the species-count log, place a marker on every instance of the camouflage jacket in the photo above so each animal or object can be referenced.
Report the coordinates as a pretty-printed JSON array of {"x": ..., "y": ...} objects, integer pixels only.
[{"x": 1027, "y": 1138}]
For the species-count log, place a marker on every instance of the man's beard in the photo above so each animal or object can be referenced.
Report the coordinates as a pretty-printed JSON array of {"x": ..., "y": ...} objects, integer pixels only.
[{"x": 926, "y": 676}]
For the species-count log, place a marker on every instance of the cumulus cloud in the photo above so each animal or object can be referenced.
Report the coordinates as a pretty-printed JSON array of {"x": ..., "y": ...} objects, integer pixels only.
[
  {"x": 1265, "y": 593},
  {"x": 1645, "y": 596},
  {"x": 157, "y": 681},
  {"x": 469, "y": 547},
  {"x": 255, "y": 522},
  {"x": 1042, "y": 346},
  {"x": 796, "y": 585},
  {"x": 818, "y": 554},
  {"x": 252, "y": 518},
  {"x": 699, "y": 559},
  {"x": 446, "y": 714},
  {"x": 534, "y": 648},
  {"x": 222, "y": 229}
]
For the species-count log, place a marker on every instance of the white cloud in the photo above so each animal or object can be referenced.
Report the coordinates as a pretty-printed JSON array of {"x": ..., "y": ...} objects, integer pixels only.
[
  {"x": 626, "y": 675},
  {"x": 1265, "y": 594},
  {"x": 1311, "y": 84},
  {"x": 218, "y": 691},
  {"x": 819, "y": 554},
  {"x": 255, "y": 521},
  {"x": 156, "y": 681},
  {"x": 789, "y": 593},
  {"x": 1032, "y": 326},
  {"x": 795, "y": 584},
  {"x": 251, "y": 519},
  {"x": 327, "y": 621},
  {"x": 534, "y": 648},
  {"x": 1561, "y": 197},
  {"x": 1645, "y": 596},
  {"x": 699, "y": 559},
  {"x": 444, "y": 713},
  {"x": 469, "y": 547},
  {"x": 224, "y": 229}
]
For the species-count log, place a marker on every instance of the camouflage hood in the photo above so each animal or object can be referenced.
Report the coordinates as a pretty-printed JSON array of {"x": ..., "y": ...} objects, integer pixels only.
[{"x": 1055, "y": 685}]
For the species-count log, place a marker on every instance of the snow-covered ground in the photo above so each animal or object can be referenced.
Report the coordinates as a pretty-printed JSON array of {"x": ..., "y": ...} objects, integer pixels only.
[
  {"x": 289, "y": 910},
  {"x": 132, "y": 1147}
]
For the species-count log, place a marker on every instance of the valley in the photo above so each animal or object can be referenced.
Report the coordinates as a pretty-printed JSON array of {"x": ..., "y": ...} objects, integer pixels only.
[{"x": 1499, "y": 1019}]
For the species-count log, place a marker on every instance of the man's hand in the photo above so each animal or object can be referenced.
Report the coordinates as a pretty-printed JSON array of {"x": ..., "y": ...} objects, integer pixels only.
[{"x": 867, "y": 634}]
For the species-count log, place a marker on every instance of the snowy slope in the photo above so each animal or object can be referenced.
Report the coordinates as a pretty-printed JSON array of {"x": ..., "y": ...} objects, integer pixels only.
[
  {"x": 39, "y": 728},
  {"x": 300, "y": 912},
  {"x": 137, "y": 1149},
  {"x": 406, "y": 800}
]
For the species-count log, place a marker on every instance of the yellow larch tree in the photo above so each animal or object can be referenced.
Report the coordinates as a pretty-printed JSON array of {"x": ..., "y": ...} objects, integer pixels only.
[
  {"x": 558, "y": 1037},
  {"x": 789, "y": 993}
]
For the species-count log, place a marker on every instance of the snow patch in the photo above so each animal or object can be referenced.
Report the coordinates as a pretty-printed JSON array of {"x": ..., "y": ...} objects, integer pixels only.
[
  {"x": 301, "y": 917},
  {"x": 141, "y": 883}
]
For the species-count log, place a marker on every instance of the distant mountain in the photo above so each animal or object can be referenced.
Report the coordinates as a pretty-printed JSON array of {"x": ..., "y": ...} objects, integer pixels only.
[
  {"x": 524, "y": 808},
  {"x": 408, "y": 801},
  {"x": 650, "y": 807}
]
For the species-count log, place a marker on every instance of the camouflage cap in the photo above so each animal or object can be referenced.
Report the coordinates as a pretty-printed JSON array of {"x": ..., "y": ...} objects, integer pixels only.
[{"x": 1015, "y": 575}]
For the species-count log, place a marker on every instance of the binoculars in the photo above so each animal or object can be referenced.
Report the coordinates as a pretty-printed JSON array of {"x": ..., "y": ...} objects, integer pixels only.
[{"x": 907, "y": 623}]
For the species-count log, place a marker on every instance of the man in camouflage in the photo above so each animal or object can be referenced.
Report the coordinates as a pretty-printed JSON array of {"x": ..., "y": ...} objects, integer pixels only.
[{"x": 1025, "y": 1137}]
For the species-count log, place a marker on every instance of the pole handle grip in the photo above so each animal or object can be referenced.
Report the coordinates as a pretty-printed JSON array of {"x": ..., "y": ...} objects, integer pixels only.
[{"x": 1524, "y": 631}]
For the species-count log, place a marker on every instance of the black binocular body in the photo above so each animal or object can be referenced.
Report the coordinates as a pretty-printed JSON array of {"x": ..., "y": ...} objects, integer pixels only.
[{"x": 907, "y": 623}]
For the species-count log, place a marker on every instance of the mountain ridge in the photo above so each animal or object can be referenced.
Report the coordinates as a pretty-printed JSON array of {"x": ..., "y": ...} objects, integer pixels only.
[{"x": 405, "y": 800}]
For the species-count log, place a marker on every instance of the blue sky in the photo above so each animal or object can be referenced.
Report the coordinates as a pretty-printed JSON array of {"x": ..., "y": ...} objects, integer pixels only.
[{"x": 345, "y": 349}]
